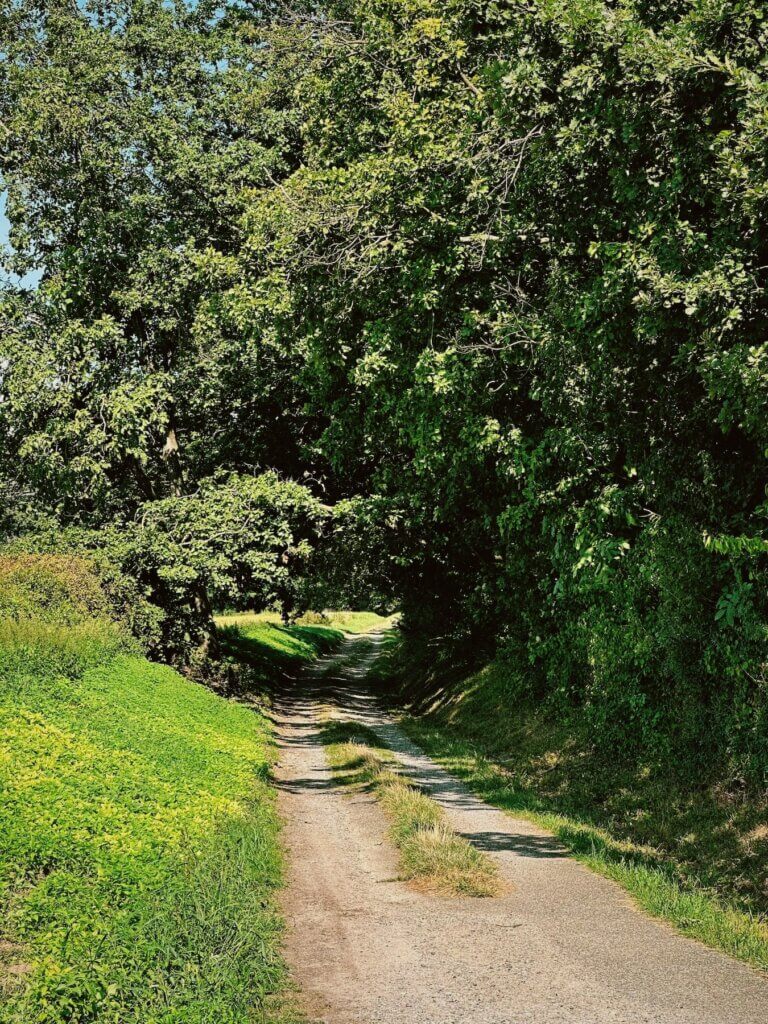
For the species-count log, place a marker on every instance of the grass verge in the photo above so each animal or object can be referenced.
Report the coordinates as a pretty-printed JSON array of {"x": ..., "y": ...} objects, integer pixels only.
[
  {"x": 138, "y": 840},
  {"x": 432, "y": 855},
  {"x": 641, "y": 870}
]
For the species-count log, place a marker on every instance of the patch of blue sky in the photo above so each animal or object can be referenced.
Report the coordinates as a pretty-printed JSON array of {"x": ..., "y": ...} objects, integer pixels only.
[{"x": 30, "y": 280}]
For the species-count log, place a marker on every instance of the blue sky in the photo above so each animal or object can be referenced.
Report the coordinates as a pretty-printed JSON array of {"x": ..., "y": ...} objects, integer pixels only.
[
  {"x": 28, "y": 279},
  {"x": 3, "y": 221}
]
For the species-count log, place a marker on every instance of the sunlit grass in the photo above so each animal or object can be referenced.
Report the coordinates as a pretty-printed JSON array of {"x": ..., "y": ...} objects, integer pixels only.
[
  {"x": 359, "y": 622},
  {"x": 346, "y": 621},
  {"x": 138, "y": 839},
  {"x": 247, "y": 618}
]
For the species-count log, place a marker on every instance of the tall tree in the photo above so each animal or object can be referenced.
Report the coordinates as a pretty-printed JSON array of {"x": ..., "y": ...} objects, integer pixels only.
[
  {"x": 134, "y": 134},
  {"x": 526, "y": 252}
]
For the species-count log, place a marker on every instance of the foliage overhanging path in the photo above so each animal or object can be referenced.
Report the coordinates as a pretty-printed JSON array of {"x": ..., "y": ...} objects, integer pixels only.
[{"x": 562, "y": 944}]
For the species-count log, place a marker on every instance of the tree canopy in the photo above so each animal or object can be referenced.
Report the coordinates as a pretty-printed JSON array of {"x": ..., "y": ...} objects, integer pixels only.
[{"x": 486, "y": 280}]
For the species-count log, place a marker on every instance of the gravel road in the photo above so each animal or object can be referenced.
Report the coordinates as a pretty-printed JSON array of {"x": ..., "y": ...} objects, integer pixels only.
[{"x": 563, "y": 945}]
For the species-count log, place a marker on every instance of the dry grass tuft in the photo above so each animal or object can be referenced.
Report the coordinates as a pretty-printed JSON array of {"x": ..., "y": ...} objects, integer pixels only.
[{"x": 432, "y": 855}]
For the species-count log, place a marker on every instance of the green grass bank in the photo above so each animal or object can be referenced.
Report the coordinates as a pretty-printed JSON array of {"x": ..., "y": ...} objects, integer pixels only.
[
  {"x": 139, "y": 852},
  {"x": 139, "y": 846}
]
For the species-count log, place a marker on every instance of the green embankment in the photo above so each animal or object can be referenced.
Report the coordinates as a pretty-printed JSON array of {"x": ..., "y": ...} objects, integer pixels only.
[
  {"x": 139, "y": 850},
  {"x": 688, "y": 849},
  {"x": 139, "y": 854}
]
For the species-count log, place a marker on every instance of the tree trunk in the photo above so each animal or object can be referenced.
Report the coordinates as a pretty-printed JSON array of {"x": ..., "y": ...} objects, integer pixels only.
[
  {"x": 172, "y": 459},
  {"x": 209, "y": 646}
]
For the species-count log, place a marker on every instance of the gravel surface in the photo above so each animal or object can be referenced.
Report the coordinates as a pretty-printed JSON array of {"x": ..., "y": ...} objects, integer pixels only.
[{"x": 563, "y": 945}]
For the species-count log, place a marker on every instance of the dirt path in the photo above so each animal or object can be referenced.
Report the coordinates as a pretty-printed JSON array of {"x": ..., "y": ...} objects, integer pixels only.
[{"x": 563, "y": 946}]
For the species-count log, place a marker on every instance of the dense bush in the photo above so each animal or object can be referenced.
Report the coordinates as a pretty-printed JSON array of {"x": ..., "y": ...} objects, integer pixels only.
[
  {"x": 244, "y": 541},
  {"x": 73, "y": 578},
  {"x": 238, "y": 541},
  {"x": 56, "y": 588}
]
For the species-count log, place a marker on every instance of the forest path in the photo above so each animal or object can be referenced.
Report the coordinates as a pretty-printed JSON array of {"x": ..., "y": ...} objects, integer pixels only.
[{"x": 563, "y": 945}]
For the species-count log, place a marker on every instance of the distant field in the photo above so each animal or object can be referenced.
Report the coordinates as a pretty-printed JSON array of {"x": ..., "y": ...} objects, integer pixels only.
[{"x": 349, "y": 622}]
